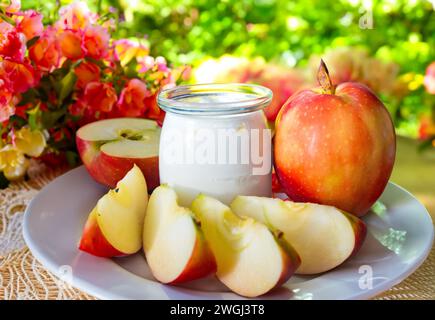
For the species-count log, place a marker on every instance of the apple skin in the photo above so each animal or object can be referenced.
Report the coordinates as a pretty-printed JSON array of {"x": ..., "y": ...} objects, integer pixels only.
[
  {"x": 336, "y": 148},
  {"x": 360, "y": 231},
  {"x": 291, "y": 261},
  {"x": 201, "y": 263},
  {"x": 108, "y": 170},
  {"x": 94, "y": 242}
]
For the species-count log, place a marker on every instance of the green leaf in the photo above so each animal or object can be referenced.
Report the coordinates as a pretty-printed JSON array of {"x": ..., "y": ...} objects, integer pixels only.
[
  {"x": 6, "y": 18},
  {"x": 67, "y": 85},
  {"x": 34, "y": 118},
  {"x": 49, "y": 119},
  {"x": 131, "y": 69},
  {"x": 425, "y": 145},
  {"x": 29, "y": 96},
  {"x": 32, "y": 41},
  {"x": 72, "y": 158},
  {"x": 4, "y": 183},
  {"x": 17, "y": 121}
]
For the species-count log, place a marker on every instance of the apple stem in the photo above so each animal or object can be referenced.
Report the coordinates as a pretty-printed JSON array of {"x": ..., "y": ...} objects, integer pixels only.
[{"x": 324, "y": 79}]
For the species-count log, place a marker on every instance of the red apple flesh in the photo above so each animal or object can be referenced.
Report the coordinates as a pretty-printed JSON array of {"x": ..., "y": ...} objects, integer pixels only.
[
  {"x": 110, "y": 148},
  {"x": 334, "y": 146}
]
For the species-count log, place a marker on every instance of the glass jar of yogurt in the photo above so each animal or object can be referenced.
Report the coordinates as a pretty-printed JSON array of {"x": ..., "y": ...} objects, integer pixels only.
[{"x": 215, "y": 141}]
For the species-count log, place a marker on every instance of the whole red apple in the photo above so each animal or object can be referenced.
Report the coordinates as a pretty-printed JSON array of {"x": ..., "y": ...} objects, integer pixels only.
[{"x": 334, "y": 145}]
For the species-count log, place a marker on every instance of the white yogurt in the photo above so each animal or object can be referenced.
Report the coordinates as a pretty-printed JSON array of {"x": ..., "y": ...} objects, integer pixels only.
[{"x": 207, "y": 146}]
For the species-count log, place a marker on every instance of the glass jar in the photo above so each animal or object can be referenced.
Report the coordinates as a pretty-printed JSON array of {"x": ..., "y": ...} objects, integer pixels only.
[{"x": 215, "y": 141}]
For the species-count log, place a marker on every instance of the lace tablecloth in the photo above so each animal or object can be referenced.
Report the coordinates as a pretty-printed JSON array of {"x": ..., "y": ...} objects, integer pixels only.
[{"x": 22, "y": 277}]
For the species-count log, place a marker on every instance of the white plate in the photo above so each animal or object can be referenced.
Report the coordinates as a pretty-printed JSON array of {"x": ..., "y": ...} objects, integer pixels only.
[{"x": 397, "y": 243}]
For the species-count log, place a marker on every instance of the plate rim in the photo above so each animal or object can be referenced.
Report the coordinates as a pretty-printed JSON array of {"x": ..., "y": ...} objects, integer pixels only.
[{"x": 101, "y": 293}]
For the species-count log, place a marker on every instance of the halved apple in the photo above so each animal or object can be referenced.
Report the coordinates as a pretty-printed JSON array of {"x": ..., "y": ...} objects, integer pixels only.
[
  {"x": 109, "y": 149},
  {"x": 251, "y": 260},
  {"x": 323, "y": 236},
  {"x": 174, "y": 245},
  {"x": 114, "y": 227}
]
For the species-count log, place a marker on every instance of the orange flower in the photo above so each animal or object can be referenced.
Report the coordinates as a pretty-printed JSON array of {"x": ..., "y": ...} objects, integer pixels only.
[
  {"x": 132, "y": 99},
  {"x": 29, "y": 23},
  {"x": 70, "y": 43},
  {"x": 86, "y": 72},
  {"x": 153, "y": 110},
  {"x": 45, "y": 53},
  {"x": 21, "y": 76},
  {"x": 75, "y": 16},
  {"x": 96, "y": 42},
  {"x": 427, "y": 128},
  {"x": 99, "y": 96},
  {"x": 12, "y": 43}
]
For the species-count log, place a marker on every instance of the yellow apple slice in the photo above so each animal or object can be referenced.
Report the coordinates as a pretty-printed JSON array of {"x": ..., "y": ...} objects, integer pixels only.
[
  {"x": 323, "y": 236},
  {"x": 115, "y": 225},
  {"x": 174, "y": 245},
  {"x": 251, "y": 260}
]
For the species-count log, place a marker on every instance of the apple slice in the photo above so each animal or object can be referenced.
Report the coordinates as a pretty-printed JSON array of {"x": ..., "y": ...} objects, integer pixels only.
[
  {"x": 323, "y": 236},
  {"x": 93, "y": 240},
  {"x": 174, "y": 245},
  {"x": 109, "y": 149},
  {"x": 114, "y": 227},
  {"x": 251, "y": 260}
]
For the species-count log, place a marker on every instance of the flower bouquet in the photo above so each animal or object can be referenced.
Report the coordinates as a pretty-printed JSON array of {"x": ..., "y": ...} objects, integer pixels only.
[{"x": 57, "y": 77}]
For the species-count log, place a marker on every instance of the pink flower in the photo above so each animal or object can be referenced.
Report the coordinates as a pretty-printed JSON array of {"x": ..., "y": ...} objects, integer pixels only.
[
  {"x": 45, "y": 52},
  {"x": 429, "y": 78},
  {"x": 126, "y": 50},
  {"x": 132, "y": 101},
  {"x": 29, "y": 23},
  {"x": 70, "y": 43},
  {"x": 76, "y": 16},
  {"x": 77, "y": 108},
  {"x": 99, "y": 97},
  {"x": 96, "y": 42},
  {"x": 146, "y": 63},
  {"x": 12, "y": 43},
  {"x": 161, "y": 64},
  {"x": 14, "y": 6},
  {"x": 7, "y": 103}
]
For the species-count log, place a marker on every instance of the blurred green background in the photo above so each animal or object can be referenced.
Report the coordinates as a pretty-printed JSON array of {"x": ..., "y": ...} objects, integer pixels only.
[{"x": 288, "y": 33}]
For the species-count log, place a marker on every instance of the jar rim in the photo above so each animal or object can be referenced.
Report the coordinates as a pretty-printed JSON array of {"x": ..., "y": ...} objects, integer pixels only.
[{"x": 214, "y": 98}]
